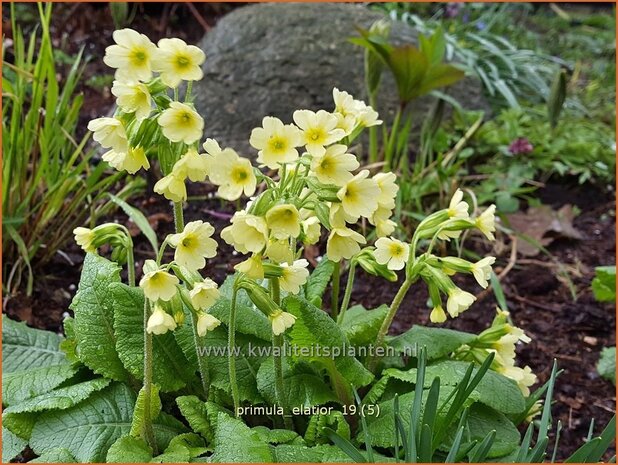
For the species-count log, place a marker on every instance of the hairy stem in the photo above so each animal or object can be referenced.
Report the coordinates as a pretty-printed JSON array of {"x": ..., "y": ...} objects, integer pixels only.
[
  {"x": 386, "y": 324},
  {"x": 130, "y": 264},
  {"x": 202, "y": 362},
  {"x": 179, "y": 221},
  {"x": 348, "y": 292},
  {"x": 231, "y": 343},
  {"x": 334, "y": 305},
  {"x": 275, "y": 293},
  {"x": 148, "y": 431}
]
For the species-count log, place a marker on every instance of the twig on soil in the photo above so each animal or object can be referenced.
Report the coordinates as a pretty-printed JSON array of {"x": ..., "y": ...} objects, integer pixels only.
[
  {"x": 200, "y": 19},
  {"x": 550, "y": 308}
]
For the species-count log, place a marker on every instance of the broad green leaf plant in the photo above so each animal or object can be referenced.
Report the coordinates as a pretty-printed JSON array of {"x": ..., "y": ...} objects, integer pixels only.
[{"x": 164, "y": 365}]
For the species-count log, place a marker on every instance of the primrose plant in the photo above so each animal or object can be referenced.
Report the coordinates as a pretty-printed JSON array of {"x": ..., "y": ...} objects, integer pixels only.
[{"x": 306, "y": 188}]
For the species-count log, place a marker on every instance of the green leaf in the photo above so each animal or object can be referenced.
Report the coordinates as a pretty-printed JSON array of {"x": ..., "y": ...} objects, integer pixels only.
[
  {"x": 58, "y": 455},
  {"x": 129, "y": 449},
  {"x": 303, "y": 387},
  {"x": 25, "y": 348},
  {"x": 251, "y": 353},
  {"x": 59, "y": 399},
  {"x": 324, "y": 453},
  {"x": 21, "y": 385},
  {"x": 94, "y": 318},
  {"x": 137, "y": 424},
  {"x": 196, "y": 413},
  {"x": 20, "y": 424},
  {"x": 139, "y": 219},
  {"x": 604, "y": 284},
  {"x": 275, "y": 436},
  {"x": 171, "y": 370},
  {"x": 480, "y": 422},
  {"x": 361, "y": 325},
  {"x": 607, "y": 364},
  {"x": 494, "y": 390},
  {"x": 88, "y": 429},
  {"x": 439, "y": 342},
  {"x": 12, "y": 445},
  {"x": 236, "y": 442},
  {"x": 182, "y": 448},
  {"x": 318, "y": 281},
  {"x": 314, "y": 328},
  {"x": 249, "y": 320}
]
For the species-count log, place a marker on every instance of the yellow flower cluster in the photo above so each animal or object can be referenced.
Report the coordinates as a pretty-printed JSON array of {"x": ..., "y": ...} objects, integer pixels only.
[{"x": 501, "y": 338}]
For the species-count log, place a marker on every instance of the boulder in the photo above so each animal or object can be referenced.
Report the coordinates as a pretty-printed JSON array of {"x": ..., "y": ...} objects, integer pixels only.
[{"x": 273, "y": 58}]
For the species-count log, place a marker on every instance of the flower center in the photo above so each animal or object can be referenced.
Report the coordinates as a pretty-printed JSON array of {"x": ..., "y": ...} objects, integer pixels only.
[
  {"x": 277, "y": 144},
  {"x": 182, "y": 61},
  {"x": 239, "y": 175},
  {"x": 138, "y": 57}
]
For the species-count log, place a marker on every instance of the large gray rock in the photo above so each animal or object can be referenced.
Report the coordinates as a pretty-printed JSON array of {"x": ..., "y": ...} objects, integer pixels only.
[{"x": 271, "y": 59}]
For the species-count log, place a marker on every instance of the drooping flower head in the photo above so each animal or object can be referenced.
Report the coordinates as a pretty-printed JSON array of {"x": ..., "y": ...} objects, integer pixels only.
[
  {"x": 133, "y": 97},
  {"x": 206, "y": 322},
  {"x": 359, "y": 196},
  {"x": 204, "y": 294},
  {"x": 181, "y": 123},
  {"x": 281, "y": 321},
  {"x": 294, "y": 276},
  {"x": 457, "y": 208},
  {"x": 486, "y": 222},
  {"x": 160, "y": 322},
  {"x": 343, "y": 243},
  {"x": 159, "y": 285},
  {"x": 247, "y": 233},
  {"x": 283, "y": 221},
  {"x": 109, "y": 132}
]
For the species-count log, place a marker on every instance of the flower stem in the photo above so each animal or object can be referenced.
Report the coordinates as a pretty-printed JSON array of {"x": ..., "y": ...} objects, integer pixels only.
[
  {"x": 148, "y": 431},
  {"x": 179, "y": 221},
  {"x": 348, "y": 292},
  {"x": 275, "y": 293},
  {"x": 202, "y": 362},
  {"x": 231, "y": 343},
  {"x": 386, "y": 324},
  {"x": 130, "y": 265},
  {"x": 334, "y": 304}
]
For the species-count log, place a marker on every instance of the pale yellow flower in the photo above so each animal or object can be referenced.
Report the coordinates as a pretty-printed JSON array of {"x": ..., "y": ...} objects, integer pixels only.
[
  {"x": 206, "y": 322},
  {"x": 281, "y": 321},
  {"x": 131, "y": 55},
  {"x": 279, "y": 250},
  {"x": 283, "y": 221},
  {"x": 177, "y": 61},
  {"x": 193, "y": 245},
  {"x": 366, "y": 116},
  {"x": 346, "y": 123},
  {"x": 172, "y": 187},
  {"x": 294, "y": 276},
  {"x": 318, "y": 130},
  {"x": 252, "y": 267},
  {"x": 338, "y": 217},
  {"x": 391, "y": 252},
  {"x": 344, "y": 103},
  {"x": 212, "y": 147},
  {"x": 159, "y": 284},
  {"x": 131, "y": 161},
  {"x": 160, "y": 322},
  {"x": 388, "y": 189},
  {"x": 204, "y": 294},
  {"x": 181, "y": 123},
  {"x": 84, "y": 237},
  {"x": 522, "y": 376},
  {"x": 482, "y": 271},
  {"x": 133, "y": 97},
  {"x": 311, "y": 230},
  {"x": 381, "y": 219},
  {"x": 335, "y": 165},
  {"x": 109, "y": 132},
  {"x": 276, "y": 142},
  {"x": 486, "y": 222},
  {"x": 437, "y": 315},
  {"x": 359, "y": 196},
  {"x": 247, "y": 233},
  {"x": 458, "y": 301},
  {"x": 233, "y": 174},
  {"x": 343, "y": 243},
  {"x": 457, "y": 208},
  {"x": 192, "y": 165}
]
